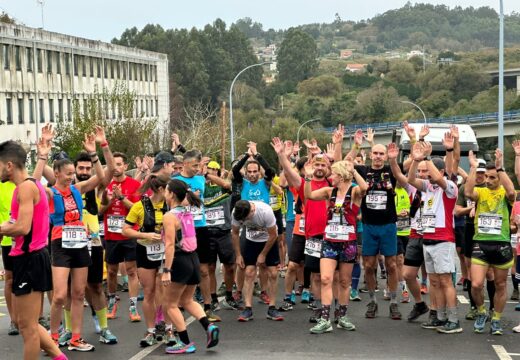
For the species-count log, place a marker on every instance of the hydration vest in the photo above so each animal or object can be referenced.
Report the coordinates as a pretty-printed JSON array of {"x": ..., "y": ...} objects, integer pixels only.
[{"x": 59, "y": 214}]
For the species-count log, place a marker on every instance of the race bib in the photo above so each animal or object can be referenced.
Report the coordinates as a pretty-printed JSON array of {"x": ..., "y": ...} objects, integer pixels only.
[
  {"x": 337, "y": 232},
  {"x": 376, "y": 200},
  {"x": 403, "y": 223},
  {"x": 196, "y": 212},
  {"x": 101, "y": 229},
  {"x": 428, "y": 223},
  {"x": 514, "y": 240},
  {"x": 273, "y": 200},
  {"x": 155, "y": 252},
  {"x": 215, "y": 216},
  {"x": 490, "y": 224},
  {"x": 74, "y": 237},
  {"x": 301, "y": 224},
  {"x": 284, "y": 222},
  {"x": 313, "y": 247},
  {"x": 115, "y": 223},
  {"x": 253, "y": 234}
]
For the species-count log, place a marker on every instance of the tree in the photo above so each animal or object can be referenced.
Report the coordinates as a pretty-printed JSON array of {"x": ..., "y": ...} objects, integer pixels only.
[
  {"x": 377, "y": 104},
  {"x": 401, "y": 72},
  {"x": 297, "y": 56},
  {"x": 322, "y": 86}
]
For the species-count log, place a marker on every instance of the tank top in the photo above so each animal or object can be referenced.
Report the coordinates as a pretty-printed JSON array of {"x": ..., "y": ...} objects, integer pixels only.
[
  {"x": 66, "y": 210},
  {"x": 342, "y": 215},
  {"x": 36, "y": 239}
]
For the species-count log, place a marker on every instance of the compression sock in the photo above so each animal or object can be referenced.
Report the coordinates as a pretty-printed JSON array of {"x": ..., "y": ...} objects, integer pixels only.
[
  {"x": 325, "y": 312},
  {"x": 356, "y": 273},
  {"x": 68, "y": 321},
  {"x": 470, "y": 296},
  {"x": 490, "y": 286},
  {"x": 204, "y": 322},
  {"x": 452, "y": 314},
  {"x": 183, "y": 336}
]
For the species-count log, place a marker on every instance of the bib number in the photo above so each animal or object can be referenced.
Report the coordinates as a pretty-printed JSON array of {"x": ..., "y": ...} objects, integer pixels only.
[
  {"x": 313, "y": 247},
  {"x": 490, "y": 224},
  {"x": 115, "y": 223},
  {"x": 337, "y": 232},
  {"x": 155, "y": 252},
  {"x": 101, "y": 229},
  {"x": 301, "y": 224},
  {"x": 196, "y": 212},
  {"x": 215, "y": 216},
  {"x": 428, "y": 224},
  {"x": 403, "y": 223},
  {"x": 74, "y": 237},
  {"x": 254, "y": 235},
  {"x": 376, "y": 200},
  {"x": 273, "y": 200},
  {"x": 514, "y": 240}
]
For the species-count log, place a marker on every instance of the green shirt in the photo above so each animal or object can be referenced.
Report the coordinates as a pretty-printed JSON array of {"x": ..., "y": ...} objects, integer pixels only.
[
  {"x": 6, "y": 195},
  {"x": 402, "y": 202},
  {"x": 492, "y": 215}
]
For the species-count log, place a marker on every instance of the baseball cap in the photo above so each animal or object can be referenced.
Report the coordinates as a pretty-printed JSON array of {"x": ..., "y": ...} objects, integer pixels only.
[
  {"x": 481, "y": 165},
  {"x": 439, "y": 163},
  {"x": 213, "y": 165},
  {"x": 321, "y": 158},
  {"x": 163, "y": 157}
]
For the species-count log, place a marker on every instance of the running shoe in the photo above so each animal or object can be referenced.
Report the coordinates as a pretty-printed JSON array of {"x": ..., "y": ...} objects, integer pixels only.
[
  {"x": 212, "y": 335},
  {"x": 282, "y": 273},
  {"x": 169, "y": 338},
  {"x": 273, "y": 314},
  {"x": 515, "y": 295},
  {"x": 418, "y": 310},
  {"x": 433, "y": 321},
  {"x": 345, "y": 323},
  {"x": 299, "y": 290},
  {"x": 306, "y": 296},
  {"x": 354, "y": 295},
  {"x": 181, "y": 348},
  {"x": 395, "y": 314},
  {"x": 516, "y": 329},
  {"x": 133, "y": 314},
  {"x": 160, "y": 330},
  {"x": 198, "y": 295},
  {"x": 323, "y": 326},
  {"x": 212, "y": 317},
  {"x": 424, "y": 289},
  {"x": 293, "y": 297},
  {"x": 13, "y": 329},
  {"x": 112, "y": 309},
  {"x": 97, "y": 327},
  {"x": 472, "y": 314},
  {"x": 386, "y": 294},
  {"x": 312, "y": 305},
  {"x": 246, "y": 315},
  {"x": 80, "y": 345},
  {"x": 316, "y": 315},
  {"x": 450, "y": 327},
  {"x": 517, "y": 307},
  {"x": 140, "y": 296},
  {"x": 264, "y": 298},
  {"x": 222, "y": 290},
  {"x": 405, "y": 297},
  {"x": 372, "y": 310},
  {"x": 64, "y": 338},
  {"x": 43, "y": 321},
  {"x": 215, "y": 306},
  {"x": 106, "y": 337},
  {"x": 480, "y": 323},
  {"x": 230, "y": 304},
  {"x": 148, "y": 340},
  {"x": 496, "y": 328},
  {"x": 286, "y": 306}
]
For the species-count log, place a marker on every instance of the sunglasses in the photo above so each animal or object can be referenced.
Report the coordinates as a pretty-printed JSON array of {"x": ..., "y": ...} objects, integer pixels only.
[{"x": 213, "y": 169}]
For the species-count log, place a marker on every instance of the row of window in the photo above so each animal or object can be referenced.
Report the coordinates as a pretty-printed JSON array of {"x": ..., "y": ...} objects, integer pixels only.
[
  {"x": 82, "y": 65},
  {"x": 148, "y": 108}
]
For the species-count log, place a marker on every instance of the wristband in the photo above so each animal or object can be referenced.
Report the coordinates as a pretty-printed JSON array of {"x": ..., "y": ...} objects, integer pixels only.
[
  {"x": 121, "y": 198},
  {"x": 166, "y": 270},
  {"x": 308, "y": 179},
  {"x": 42, "y": 158},
  {"x": 421, "y": 139},
  {"x": 104, "y": 144},
  {"x": 95, "y": 161},
  {"x": 449, "y": 150},
  {"x": 500, "y": 170},
  {"x": 92, "y": 154}
]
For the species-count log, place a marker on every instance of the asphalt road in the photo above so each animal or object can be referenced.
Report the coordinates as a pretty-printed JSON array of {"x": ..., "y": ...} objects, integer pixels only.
[{"x": 380, "y": 338}]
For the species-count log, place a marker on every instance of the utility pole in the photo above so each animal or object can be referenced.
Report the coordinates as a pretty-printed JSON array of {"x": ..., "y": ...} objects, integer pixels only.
[{"x": 223, "y": 137}]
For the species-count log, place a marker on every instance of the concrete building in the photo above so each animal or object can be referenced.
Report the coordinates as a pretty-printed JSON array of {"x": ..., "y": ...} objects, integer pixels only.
[{"x": 42, "y": 74}]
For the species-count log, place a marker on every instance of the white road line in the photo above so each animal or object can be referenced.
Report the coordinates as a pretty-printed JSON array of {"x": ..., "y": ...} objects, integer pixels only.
[
  {"x": 462, "y": 299},
  {"x": 502, "y": 352}
]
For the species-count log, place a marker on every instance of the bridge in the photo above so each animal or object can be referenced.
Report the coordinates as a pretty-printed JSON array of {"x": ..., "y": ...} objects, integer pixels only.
[
  {"x": 485, "y": 126},
  {"x": 511, "y": 78}
]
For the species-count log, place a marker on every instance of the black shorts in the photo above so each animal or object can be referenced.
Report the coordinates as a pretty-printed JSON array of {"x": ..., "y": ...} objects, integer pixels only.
[
  {"x": 279, "y": 221},
  {"x": 186, "y": 268},
  {"x": 142, "y": 260},
  {"x": 359, "y": 238},
  {"x": 469, "y": 232},
  {"x": 118, "y": 251},
  {"x": 459, "y": 236},
  {"x": 203, "y": 245},
  {"x": 69, "y": 258},
  {"x": 495, "y": 253},
  {"x": 6, "y": 259},
  {"x": 414, "y": 255},
  {"x": 220, "y": 246},
  {"x": 402, "y": 241},
  {"x": 297, "y": 250},
  {"x": 252, "y": 249},
  {"x": 312, "y": 264},
  {"x": 32, "y": 272},
  {"x": 95, "y": 270}
]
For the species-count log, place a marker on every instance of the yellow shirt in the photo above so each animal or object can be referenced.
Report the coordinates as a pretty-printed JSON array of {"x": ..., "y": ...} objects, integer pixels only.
[
  {"x": 275, "y": 200},
  {"x": 136, "y": 215},
  {"x": 6, "y": 196}
]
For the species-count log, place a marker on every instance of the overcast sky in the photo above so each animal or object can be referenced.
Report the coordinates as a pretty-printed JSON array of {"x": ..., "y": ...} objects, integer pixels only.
[{"x": 105, "y": 19}]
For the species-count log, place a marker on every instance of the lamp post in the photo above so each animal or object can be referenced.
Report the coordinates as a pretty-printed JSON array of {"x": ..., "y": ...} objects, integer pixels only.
[
  {"x": 417, "y": 106},
  {"x": 501, "y": 80},
  {"x": 299, "y": 129},
  {"x": 231, "y": 125}
]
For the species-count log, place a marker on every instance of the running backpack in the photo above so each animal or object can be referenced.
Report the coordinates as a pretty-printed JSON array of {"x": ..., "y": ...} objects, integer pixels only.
[{"x": 188, "y": 242}]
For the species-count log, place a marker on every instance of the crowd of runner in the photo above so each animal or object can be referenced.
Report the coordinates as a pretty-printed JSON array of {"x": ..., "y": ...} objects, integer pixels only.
[{"x": 78, "y": 231}]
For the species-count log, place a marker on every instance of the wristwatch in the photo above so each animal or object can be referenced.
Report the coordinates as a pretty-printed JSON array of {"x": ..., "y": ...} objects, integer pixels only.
[
  {"x": 166, "y": 270},
  {"x": 121, "y": 197}
]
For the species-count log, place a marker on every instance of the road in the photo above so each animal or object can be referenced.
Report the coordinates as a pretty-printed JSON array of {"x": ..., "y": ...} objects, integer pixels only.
[{"x": 380, "y": 338}]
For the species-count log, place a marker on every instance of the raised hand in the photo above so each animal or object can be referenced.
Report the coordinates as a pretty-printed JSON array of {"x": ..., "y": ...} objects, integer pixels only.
[
  {"x": 252, "y": 146},
  {"x": 312, "y": 146},
  {"x": 499, "y": 159},
  {"x": 393, "y": 151},
  {"x": 330, "y": 151},
  {"x": 516, "y": 147},
  {"x": 48, "y": 133},
  {"x": 454, "y": 130},
  {"x": 358, "y": 137},
  {"x": 427, "y": 148},
  {"x": 148, "y": 161},
  {"x": 138, "y": 163},
  {"x": 410, "y": 131},
  {"x": 99, "y": 132},
  {"x": 417, "y": 151},
  {"x": 90, "y": 143},
  {"x": 43, "y": 147},
  {"x": 472, "y": 158},
  {"x": 288, "y": 148},
  {"x": 175, "y": 141},
  {"x": 338, "y": 134},
  {"x": 205, "y": 160},
  {"x": 296, "y": 147},
  {"x": 277, "y": 145},
  {"x": 425, "y": 130},
  {"x": 448, "y": 140},
  {"x": 370, "y": 135}
]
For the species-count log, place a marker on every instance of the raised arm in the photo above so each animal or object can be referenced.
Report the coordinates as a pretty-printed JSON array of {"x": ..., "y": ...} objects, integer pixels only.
[
  {"x": 90, "y": 146},
  {"x": 448, "y": 142},
  {"x": 454, "y": 130},
  {"x": 337, "y": 140},
  {"x": 504, "y": 178},
  {"x": 356, "y": 146},
  {"x": 237, "y": 175},
  {"x": 393, "y": 153},
  {"x": 417, "y": 155},
  {"x": 292, "y": 176},
  {"x": 516, "y": 148},
  {"x": 107, "y": 154},
  {"x": 469, "y": 187}
]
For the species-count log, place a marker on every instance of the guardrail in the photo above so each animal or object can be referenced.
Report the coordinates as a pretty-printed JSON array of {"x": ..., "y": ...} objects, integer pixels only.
[{"x": 465, "y": 119}]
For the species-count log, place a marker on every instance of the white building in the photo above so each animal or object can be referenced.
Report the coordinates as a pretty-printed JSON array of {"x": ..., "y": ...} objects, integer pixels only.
[{"x": 42, "y": 73}]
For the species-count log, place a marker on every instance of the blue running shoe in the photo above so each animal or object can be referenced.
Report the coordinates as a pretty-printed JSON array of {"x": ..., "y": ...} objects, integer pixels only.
[
  {"x": 181, "y": 348},
  {"x": 246, "y": 315},
  {"x": 496, "y": 328},
  {"x": 212, "y": 335},
  {"x": 306, "y": 296},
  {"x": 480, "y": 323},
  {"x": 293, "y": 297}
]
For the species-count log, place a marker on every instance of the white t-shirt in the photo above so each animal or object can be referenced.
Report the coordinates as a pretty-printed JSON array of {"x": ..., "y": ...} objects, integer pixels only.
[
  {"x": 256, "y": 227},
  {"x": 437, "y": 211}
]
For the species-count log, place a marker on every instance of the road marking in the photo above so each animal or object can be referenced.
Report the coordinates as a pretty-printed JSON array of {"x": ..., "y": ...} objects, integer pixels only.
[
  {"x": 2, "y": 314},
  {"x": 462, "y": 299},
  {"x": 502, "y": 352}
]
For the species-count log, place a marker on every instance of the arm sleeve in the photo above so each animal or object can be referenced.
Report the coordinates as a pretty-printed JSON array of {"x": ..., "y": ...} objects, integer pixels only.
[
  {"x": 237, "y": 176},
  {"x": 269, "y": 172}
]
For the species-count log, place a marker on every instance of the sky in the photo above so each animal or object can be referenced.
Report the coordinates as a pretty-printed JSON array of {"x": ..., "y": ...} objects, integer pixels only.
[{"x": 106, "y": 19}]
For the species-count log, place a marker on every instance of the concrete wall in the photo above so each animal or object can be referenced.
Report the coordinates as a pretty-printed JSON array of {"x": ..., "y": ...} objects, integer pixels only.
[{"x": 42, "y": 73}]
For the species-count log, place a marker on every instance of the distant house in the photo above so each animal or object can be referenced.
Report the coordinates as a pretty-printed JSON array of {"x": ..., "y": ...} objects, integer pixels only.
[
  {"x": 353, "y": 68},
  {"x": 413, "y": 53},
  {"x": 345, "y": 54}
]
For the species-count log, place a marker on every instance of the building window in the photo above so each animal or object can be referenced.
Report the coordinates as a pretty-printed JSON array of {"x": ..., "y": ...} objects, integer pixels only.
[
  {"x": 51, "y": 110},
  {"x": 156, "y": 107},
  {"x": 39, "y": 60},
  {"x": 112, "y": 68},
  {"x": 31, "y": 111},
  {"x": 75, "y": 65},
  {"x": 5, "y": 56},
  {"x": 145, "y": 72},
  {"x": 141, "y": 72},
  {"x": 99, "y": 68},
  {"x": 91, "y": 67},
  {"x": 60, "y": 109},
  {"x": 105, "y": 68},
  {"x": 20, "y": 111},
  {"x": 130, "y": 71},
  {"x": 142, "y": 107},
  {"x": 49, "y": 61},
  {"x": 147, "y": 109},
  {"x": 18, "y": 58},
  {"x": 58, "y": 62},
  {"x": 84, "y": 65},
  {"x": 42, "y": 113},
  {"x": 69, "y": 109},
  {"x": 9, "y": 110},
  {"x": 125, "y": 69},
  {"x": 118, "y": 68},
  {"x": 29, "y": 55}
]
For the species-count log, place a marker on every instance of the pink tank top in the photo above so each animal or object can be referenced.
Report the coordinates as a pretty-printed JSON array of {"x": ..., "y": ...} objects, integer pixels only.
[{"x": 37, "y": 237}]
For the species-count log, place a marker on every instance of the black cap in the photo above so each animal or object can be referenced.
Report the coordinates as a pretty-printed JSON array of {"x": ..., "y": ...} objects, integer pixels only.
[
  {"x": 163, "y": 157},
  {"x": 439, "y": 163}
]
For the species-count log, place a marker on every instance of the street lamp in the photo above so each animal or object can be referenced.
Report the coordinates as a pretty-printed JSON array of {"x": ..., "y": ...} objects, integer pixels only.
[
  {"x": 417, "y": 106},
  {"x": 299, "y": 129},
  {"x": 231, "y": 125},
  {"x": 501, "y": 80}
]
